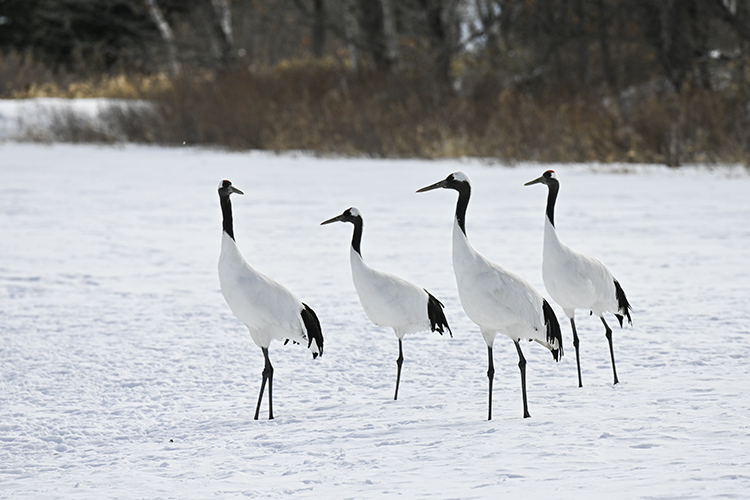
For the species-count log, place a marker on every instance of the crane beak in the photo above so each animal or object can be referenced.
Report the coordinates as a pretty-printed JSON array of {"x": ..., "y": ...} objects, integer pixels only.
[
  {"x": 338, "y": 218},
  {"x": 233, "y": 189},
  {"x": 437, "y": 185},
  {"x": 535, "y": 181}
]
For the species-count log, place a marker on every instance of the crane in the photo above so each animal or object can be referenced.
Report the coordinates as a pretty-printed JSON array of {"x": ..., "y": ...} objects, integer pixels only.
[
  {"x": 497, "y": 300},
  {"x": 388, "y": 300},
  {"x": 577, "y": 281},
  {"x": 267, "y": 308}
]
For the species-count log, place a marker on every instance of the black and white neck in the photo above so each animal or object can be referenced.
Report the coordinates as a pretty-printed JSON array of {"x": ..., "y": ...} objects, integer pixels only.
[
  {"x": 464, "y": 193},
  {"x": 355, "y": 217},
  {"x": 357, "y": 235},
  {"x": 460, "y": 182},
  {"x": 553, "y": 186},
  {"x": 549, "y": 179},
  {"x": 225, "y": 189}
]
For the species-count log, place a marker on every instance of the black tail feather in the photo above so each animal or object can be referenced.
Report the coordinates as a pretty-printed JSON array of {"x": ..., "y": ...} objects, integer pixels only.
[
  {"x": 314, "y": 331},
  {"x": 623, "y": 305},
  {"x": 438, "y": 322},
  {"x": 553, "y": 329}
]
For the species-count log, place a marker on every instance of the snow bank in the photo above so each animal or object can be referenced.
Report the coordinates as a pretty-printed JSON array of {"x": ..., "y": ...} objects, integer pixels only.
[{"x": 36, "y": 118}]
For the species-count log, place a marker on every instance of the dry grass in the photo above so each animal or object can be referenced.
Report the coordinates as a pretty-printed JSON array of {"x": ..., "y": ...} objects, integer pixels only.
[
  {"x": 328, "y": 111},
  {"x": 323, "y": 108},
  {"x": 117, "y": 87},
  {"x": 23, "y": 78}
]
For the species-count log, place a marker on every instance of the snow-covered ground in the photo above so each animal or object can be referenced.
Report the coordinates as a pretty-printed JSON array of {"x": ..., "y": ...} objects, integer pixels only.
[{"x": 123, "y": 374}]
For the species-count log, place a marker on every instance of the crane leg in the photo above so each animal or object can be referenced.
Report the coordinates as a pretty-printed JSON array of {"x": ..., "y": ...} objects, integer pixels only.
[
  {"x": 522, "y": 367},
  {"x": 269, "y": 369},
  {"x": 608, "y": 334},
  {"x": 267, "y": 376},
  {"x": 491, "y": 377},
  {"x": 575, "y": 344},
  {"x": 399, "y": 362}
]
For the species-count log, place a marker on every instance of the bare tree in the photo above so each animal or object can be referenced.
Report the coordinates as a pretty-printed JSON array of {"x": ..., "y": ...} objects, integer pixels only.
[
  {"x": 350, "y": 31},
  {"x": 224, "y": 13},
  {"x": 607, "y": 69},
  {"x": 319, "y": 27},
  {"x": 440, "y": 19},
  {"x": 370, "y": 21},
  {"x": 166, "y": 33},
  {"x": 391, "y": 38},
  {"x": 317, "y": 19},
  {"x": 219, "y": 18}
]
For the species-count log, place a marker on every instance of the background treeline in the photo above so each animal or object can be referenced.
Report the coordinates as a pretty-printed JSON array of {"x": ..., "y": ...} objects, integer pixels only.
[{"x": 550, "y": 80}]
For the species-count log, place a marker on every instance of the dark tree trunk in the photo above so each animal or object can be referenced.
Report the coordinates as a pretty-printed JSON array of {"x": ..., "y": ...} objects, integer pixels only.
[
  {"x": 319, "y": 28},
  {"x": 221, "y": 31},
  {"x": 439, "y": 40},
  {"x": 607, "y": 69},
  {"x": 373, "y": 41}
]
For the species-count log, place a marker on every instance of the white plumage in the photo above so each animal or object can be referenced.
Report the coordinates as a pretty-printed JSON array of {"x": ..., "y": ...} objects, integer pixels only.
[
  {"x": 388, "y": 300},
  {"x": 268, "y": 309},
  {"x": 577, "y": 281},
  {"x": 494, "y": 298}
]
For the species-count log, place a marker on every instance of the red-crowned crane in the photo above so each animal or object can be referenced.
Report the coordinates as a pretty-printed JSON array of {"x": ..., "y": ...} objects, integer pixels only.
[
  {"x": 494, "y": 298},
  {"x": 577, "y": 281},
  {"x": 388, "y": 300},
  {"x": 268, "y": 309}
]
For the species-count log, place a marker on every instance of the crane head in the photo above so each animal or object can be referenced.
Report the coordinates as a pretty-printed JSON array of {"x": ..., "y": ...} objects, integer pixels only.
[
  {"x": 349, "y": 215},
  {"x": 546, "y": 178},
  {"x": 453, "y": 181},
  {"x": 226, "y": 188}
]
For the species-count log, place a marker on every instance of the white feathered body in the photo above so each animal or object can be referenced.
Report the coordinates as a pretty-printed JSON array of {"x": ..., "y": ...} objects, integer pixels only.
[
  {"x": 268, "y": 309},
  {"x": 388, "y": 300},
  {"x": 496, "y": 299},
  {"x": 575, "y": 280}
]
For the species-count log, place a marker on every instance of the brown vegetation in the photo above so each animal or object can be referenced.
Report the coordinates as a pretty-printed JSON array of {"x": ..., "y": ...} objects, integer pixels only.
[
  {"x": 21, "y": 77},
  {"x": 325, "y": 109},
  {"x": 328, "y": 111}
]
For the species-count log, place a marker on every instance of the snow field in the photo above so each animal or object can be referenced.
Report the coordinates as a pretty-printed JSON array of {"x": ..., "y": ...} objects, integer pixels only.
[{"x": 123, "y": 374}]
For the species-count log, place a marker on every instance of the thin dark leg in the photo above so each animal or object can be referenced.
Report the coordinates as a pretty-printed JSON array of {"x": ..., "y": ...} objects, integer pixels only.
[
  {"x": 608, "y": 334},
  {"x": 491, "y": 377},
  {"x": 399, "y": 362},
  {"x": 575, "y": 344},
  {"x": 522, "y": 367},
  {"x": 267, "y": 376},
  {"x": 262, "y": 387},
  {"x": 269, "y": 370}
]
